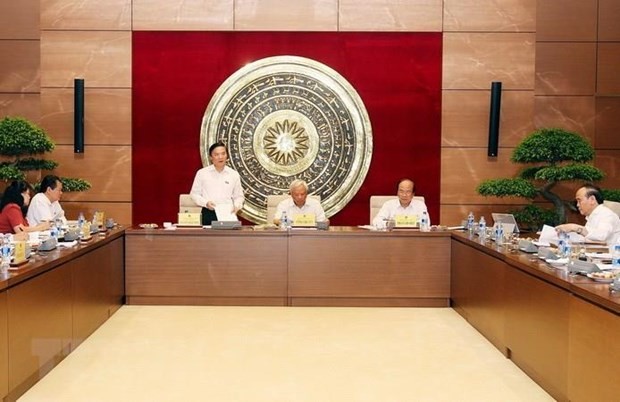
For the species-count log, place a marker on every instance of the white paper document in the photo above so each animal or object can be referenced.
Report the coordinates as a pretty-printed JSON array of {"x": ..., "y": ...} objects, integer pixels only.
[
  {"x": 548, "y": 235},
  {"x": 224, "y": 212}
]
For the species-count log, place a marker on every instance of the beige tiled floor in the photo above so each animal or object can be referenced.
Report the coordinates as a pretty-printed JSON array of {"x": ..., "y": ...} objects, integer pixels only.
[{"x": 285, "y": 354}]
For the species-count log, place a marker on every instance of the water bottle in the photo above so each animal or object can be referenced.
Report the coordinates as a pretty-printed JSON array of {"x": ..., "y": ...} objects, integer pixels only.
[
  {"x": 562, "y": 243},
  {"x": 424, "y": 227},
  {"x": 6, "y": 252},
  {"x": 482, "y": 228},
  {"x": 80, "y": 220},
  {"x": 284, "y": 221},
  {"x": 470, "y": 222},
  {"x": 499, "y": 233},
  {"x": 615, "y": 255},
  {"x": 54, "y": 231}
]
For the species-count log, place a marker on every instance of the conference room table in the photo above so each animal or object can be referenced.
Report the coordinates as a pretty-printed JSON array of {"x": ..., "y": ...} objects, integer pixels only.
[
  {"x": 52, "y": 303},
  {"x": 558, "y": 328}
]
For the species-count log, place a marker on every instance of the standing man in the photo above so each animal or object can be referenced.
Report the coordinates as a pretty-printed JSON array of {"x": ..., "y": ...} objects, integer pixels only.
[
  {"x": 217, "y": 185},
  {"x": 299, "y": 204},
  {"x": 404, "y": 205},
  {"x": 602, "y": 224},
  {"x": 45, "y": 205}
]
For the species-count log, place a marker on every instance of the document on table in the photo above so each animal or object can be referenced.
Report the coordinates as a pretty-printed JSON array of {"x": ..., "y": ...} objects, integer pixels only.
[
  {"x": 224, "y": 212},
  {"x": 548, "y": 235}
]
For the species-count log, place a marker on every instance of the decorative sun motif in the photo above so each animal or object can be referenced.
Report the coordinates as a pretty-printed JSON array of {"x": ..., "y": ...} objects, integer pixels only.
[{"x": 286, "y": 142}]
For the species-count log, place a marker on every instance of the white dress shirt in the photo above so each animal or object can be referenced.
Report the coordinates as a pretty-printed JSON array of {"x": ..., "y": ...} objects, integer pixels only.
[
  {"x": 603, "y": 225},
  {"x": 218, "y": 187},
  {"x": 392, "y": 208},
  {"x": 312, "y": 206},
  {"x": 42, "y": 209}
]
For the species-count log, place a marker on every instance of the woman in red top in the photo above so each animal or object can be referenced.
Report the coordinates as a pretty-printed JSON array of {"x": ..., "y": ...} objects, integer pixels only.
[{"x": 14, "y": 205}]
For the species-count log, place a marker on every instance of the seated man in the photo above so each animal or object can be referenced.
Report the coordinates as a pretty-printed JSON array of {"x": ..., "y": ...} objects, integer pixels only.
[
  {"x": 45, "y": 205},
  {"x": 298, "y": 204},
  {"x": 405, "y": 205},
  {"x": 602, "y": 224}
]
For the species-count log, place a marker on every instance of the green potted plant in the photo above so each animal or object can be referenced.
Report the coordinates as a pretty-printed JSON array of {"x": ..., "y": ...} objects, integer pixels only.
[
  {"x": 21, "y": 145},
  {"x": 553, "y": 155}
]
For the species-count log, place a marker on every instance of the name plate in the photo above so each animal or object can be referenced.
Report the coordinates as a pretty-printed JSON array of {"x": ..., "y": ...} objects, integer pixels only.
[
  {"x": 304, "y": 220},
  {"x": 406, "y": 221},
  {"x": 86, "y": 230},
  {"x": 190, "y": 219},
  {"x": 20, "y": 251},
  {"x": 99, "y": 218}
]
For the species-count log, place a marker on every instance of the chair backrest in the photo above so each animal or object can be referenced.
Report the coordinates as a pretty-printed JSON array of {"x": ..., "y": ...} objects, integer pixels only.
[
  {"x": 274, "y": 200},
  {"x": 377, "y": 201},
  {"x": 186, "y": 204},
  {"x": 614, "y": 206}
]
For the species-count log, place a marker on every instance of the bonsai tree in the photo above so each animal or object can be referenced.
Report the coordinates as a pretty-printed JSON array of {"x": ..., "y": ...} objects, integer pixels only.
[
  {"x": 21, "y": 142},
  {"x": 557, "y": 155}
]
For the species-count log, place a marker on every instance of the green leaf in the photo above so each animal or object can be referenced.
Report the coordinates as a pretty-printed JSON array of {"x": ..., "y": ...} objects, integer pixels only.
[
  {"x": 516, "y": 187},
  {"x": 8, "y": 172},
  {"x": 552, "y": 146},
  {"x": 611, "y": 194},
  {"x": 19, "y": 137},
  {"x": 70, "y": 184},
  {"x": 569, "y": 172},
  {"x": 36, "y": 164}
]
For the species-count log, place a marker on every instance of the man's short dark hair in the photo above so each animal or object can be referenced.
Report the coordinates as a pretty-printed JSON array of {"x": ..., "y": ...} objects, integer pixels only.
[
  {"x": 405, "y": 179},
  {"x": 49, "y": 181},
  {"x": 591, "y": 189},
  {"x": 216, "y": 145}
]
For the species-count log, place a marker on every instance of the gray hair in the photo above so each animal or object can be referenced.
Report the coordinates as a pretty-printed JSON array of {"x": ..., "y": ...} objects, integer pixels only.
[{"x": 298, "y": 183}]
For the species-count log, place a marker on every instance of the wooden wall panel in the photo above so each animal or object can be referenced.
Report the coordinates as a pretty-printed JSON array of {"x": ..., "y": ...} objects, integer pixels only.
[
  {"x": 19, "y": 19},
  {"x": 609, "y": 15},
  {"x": 576, "y": 113},
  {"x": 24, "y": 105},
  {"x": 86, "y": 14},
  {"x": 462, "y": 169},
  {"x": 102, "y": 58},
  {"x": 119, "y": 211},
  {"x": 489, "y": 16},
  {"x": 609, "y": 162},
  {"x": 474, "y": 60},
  {"x": 607, "y": 123},
  {"x": 566, "y": 20},
  {"x": 185, "y": 15},
  {"x": 107, "y": 115},
  {"x": 608, "y": 79},
  {"x": 390, "y": 15},
  {"x": 19, "y": 69},
  {"x": 107, "y": 168},
  {"x": 465, "y": 118},
  {"x": 565, "y": 68},
  {"x": 286, "y": 15}
]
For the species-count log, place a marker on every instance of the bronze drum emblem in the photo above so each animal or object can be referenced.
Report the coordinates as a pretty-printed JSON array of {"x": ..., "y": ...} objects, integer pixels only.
[{"x": 288, "y": 117}]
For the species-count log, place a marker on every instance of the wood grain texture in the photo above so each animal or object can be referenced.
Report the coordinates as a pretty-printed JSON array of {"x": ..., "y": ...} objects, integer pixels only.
[
  {"x": 607, "y": 122},
  {"x": 182, "y": 15},
  {"x": 477, "y": 287},
  {"x": 489, "y": 16},
  {"x": 608, "y": 60},
  {"x": 40, "y": 314},
  {"x": 390, "y": 15},
  {"x": 565, "y": 68},
  {"x": 107, "y": 168},
  {"x": 20, "y": 67},
  {"x": 109, "y": 15},
  {"x": 119, "y": 211},
  {"x": 19, "y": 19},
  {"x": 608, "y": 17},
  {"x": 102, "y": 58},
  {"x": 593, "y": 352},
  {"x": 25, "y": 105},
  {"x": 107, "y": 115},
  {"x": 399, "y": 265},
  {"x": 566, "y": 20},
  {"x": 465, "y": 118},
  {"x": 181, "y": 264},
  {"x": 537, "y": 324},
  {"x": 285, "y": 15},
  {"x": 574, "y": 113},
  {"x": 474, "y": 60}
]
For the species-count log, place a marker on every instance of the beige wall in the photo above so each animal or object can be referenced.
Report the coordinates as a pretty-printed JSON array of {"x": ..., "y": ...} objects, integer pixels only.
[{"x": 557, "y": 60}]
